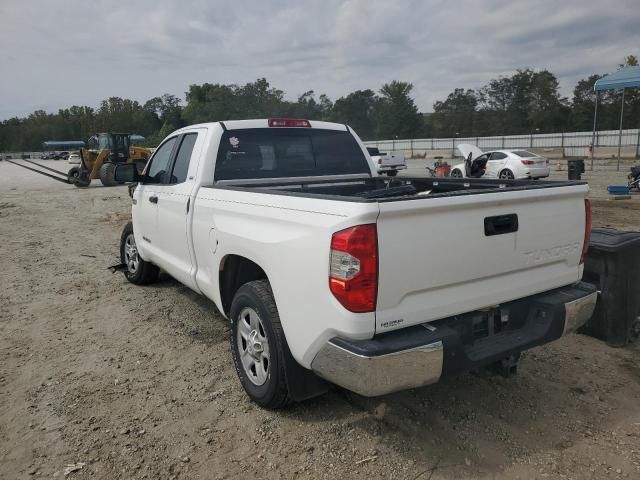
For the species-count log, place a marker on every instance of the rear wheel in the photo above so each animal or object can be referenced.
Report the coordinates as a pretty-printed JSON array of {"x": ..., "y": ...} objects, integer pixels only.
[
  {"x": 392, "y": 173},
  {"x": 107, "y": 174},
  {"x": 258, "y": 345},
  {"x": 138, "y": 272},
  {"x": 506, "y": 175},
  {"x": 456, "y": 173}
]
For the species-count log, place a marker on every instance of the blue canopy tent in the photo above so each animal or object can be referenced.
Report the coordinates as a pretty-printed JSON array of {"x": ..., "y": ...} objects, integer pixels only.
[{"x": 626, "y": 77}]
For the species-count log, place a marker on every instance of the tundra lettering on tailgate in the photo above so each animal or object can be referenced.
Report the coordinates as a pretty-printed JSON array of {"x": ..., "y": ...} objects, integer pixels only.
[{"x": 552, "y": 253}]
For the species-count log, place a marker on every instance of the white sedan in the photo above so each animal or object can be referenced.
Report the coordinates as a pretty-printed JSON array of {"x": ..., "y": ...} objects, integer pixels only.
[
  {"x": 74, "y": 158},
  {"x": 504, "y": 164}
]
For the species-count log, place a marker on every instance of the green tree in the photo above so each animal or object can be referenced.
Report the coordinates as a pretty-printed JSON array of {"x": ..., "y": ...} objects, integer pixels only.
[
  {"x": 396, "y": 113},
  {"x": 210, "y": 103},
  {"x": 259, "y": 100},
  {"x": 456, "y": 114},
  {"x": 357, "y": 110},
  {"x": 629, "y": 61}
]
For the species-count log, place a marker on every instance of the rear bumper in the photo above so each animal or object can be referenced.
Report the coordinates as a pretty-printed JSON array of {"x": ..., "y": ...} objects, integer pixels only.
[
  {"x": 422, "y": 354},
  {"x": 386, "y": 168},
  {"x": 538, "y": 172}
]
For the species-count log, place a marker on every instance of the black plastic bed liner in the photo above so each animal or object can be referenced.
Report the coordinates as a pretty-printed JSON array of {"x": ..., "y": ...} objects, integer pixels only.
[{"x": 384, "y": 189}]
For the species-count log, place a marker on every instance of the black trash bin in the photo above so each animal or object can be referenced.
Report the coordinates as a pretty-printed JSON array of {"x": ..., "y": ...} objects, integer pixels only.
[
  {"x": 613, "y": 265},
  {"x": 575, "y": 169}
]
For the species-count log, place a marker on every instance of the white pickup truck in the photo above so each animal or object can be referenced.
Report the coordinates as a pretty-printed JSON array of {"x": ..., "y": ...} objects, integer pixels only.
[
  {"x": 387, "y": 163},
  {"x": 329, "y": 273}
]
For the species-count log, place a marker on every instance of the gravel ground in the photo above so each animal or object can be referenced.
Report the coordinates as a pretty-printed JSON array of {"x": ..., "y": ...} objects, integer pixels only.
[{"x": 137, "y": 382}]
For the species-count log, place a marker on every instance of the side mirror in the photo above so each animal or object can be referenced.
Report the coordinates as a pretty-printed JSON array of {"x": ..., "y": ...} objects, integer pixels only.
[{"x": 127, "y": 173}]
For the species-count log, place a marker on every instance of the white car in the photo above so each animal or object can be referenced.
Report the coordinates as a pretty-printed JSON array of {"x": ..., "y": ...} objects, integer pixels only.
[
  {"x": 504, "y": 164},
  {"x": 318, "y": 262},
  {"x": 74, "y": 158}
]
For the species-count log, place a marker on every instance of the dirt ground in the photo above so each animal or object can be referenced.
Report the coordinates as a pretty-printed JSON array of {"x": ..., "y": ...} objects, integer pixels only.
[{"x": 138, "y": 382}]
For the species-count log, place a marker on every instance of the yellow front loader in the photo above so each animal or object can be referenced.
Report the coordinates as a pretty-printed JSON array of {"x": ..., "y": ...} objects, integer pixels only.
[{"x": 106, "y": 150}]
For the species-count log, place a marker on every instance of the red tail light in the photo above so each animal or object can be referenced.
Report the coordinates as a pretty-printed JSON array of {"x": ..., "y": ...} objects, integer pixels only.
[
  {"x": 289, "y": 122},
  {"x": 353, "y": 271},
  {"x": 587, "y": 229},
  {"x": 527, "y": 162}
]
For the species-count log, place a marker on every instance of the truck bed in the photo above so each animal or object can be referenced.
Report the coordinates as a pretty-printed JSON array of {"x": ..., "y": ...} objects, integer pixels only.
[
  {"x": 449, "y": 246},
  {"x": 379, "y": 189}
]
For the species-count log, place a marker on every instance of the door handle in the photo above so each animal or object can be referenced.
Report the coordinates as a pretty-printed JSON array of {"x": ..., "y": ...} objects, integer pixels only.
[
  {"x": 153, "y": 199},
  {"x": 501, "y": 224}
]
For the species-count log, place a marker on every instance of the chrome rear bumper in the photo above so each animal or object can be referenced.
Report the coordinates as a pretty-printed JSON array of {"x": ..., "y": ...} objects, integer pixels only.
[
  {"x": 420, "y": 355},
  {"x": 380, "y": 374}
]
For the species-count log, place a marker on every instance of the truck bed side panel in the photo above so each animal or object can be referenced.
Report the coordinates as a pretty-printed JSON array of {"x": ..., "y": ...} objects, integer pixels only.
[{"x": 289, "y": 238}]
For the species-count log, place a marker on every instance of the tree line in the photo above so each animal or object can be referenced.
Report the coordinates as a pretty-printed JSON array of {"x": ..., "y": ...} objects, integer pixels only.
[{"x": 526, "y": 102}]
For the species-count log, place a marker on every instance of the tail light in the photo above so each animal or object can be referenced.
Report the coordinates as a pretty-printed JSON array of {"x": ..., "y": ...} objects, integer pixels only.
[
  {"x": 353, "y": 275},
  {"x": 289, "y": 122},
  {"x": 587, "y": 229},
  {"x": 527, "y": 162}
]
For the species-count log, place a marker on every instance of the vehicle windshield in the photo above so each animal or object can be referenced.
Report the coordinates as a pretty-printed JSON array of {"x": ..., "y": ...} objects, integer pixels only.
[
  {"x": 105, "y": 142},
  {"x": 524, "y": 154},
  {"x": 288, "y": 152}
]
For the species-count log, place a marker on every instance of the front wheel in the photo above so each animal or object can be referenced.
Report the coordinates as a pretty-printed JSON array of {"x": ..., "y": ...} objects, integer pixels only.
[
  {"x": 107, "y": 174},
  {"x": 79, "y": 177},
  {"x": 258, "y": 345},
  {"x": 392, "y": 173},
  {"x": 139, "y": 271},
  {"x": 456, "y": 173},
  {"x": 506, "y": 175}
]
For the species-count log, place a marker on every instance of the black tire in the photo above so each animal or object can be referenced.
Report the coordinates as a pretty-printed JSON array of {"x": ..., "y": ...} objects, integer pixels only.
[
  {"x": 392, "y": 173},
  {"x": 258, "y": 297},
  {"x": 79, "y": 177},
  {"x": 144, "y": 272},
  {"x": 107, "y": 174},
  {"x": 455, "y": 173},
  {"x": 506, "y": 174}
]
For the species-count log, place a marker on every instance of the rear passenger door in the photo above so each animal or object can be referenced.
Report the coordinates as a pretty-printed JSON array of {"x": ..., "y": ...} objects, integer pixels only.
[
  {"x": 495, "y": 164},
  {"x": 175, "y": 197}
]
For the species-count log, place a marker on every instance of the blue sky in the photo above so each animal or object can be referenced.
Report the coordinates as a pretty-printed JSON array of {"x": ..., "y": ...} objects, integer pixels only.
[{"x": 59, "y": 53}]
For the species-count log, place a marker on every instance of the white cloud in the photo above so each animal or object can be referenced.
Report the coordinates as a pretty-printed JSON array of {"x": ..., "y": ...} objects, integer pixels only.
[{"x": 55, "y": 54}]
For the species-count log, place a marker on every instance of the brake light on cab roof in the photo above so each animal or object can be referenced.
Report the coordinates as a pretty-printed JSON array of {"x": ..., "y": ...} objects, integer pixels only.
[{"x": 289, "y": 122}]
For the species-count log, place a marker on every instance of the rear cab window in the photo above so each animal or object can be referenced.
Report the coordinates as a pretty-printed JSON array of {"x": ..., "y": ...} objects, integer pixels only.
[{"x": 256, "y": 153}]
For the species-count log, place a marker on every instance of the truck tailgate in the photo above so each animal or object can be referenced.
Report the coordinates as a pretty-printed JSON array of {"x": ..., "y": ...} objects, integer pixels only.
[{"x": 450, "y": 255}]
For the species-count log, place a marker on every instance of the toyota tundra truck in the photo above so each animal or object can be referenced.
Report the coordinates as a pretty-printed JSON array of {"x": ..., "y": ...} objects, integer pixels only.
[{"x": 331, "y": 274}]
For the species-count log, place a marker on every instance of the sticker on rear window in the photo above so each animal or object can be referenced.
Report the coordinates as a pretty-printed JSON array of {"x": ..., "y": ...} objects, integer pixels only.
[{"x": 234, "y": 142}]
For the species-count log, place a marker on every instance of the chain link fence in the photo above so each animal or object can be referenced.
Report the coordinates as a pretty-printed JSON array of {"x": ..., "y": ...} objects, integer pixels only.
[{"x": 609, "y": 148}]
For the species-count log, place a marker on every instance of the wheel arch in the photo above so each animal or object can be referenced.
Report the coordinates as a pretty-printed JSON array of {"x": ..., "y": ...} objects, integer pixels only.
[{"x": 235, "y": 271}]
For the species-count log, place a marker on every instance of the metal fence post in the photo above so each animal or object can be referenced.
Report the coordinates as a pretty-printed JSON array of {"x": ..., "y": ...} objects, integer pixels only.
[
  {"x": 453, "y": 147},
  {"x": 562, "y": 143},
  {"x": 503, "y": 142},
  {"x": 620, "y": 131},
  {"x": 411, "y": 148},
  {"x": 638, "y": 144}
]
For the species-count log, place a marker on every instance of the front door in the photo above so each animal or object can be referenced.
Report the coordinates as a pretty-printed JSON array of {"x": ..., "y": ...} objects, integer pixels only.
[{"x": 145, "y": 210}]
